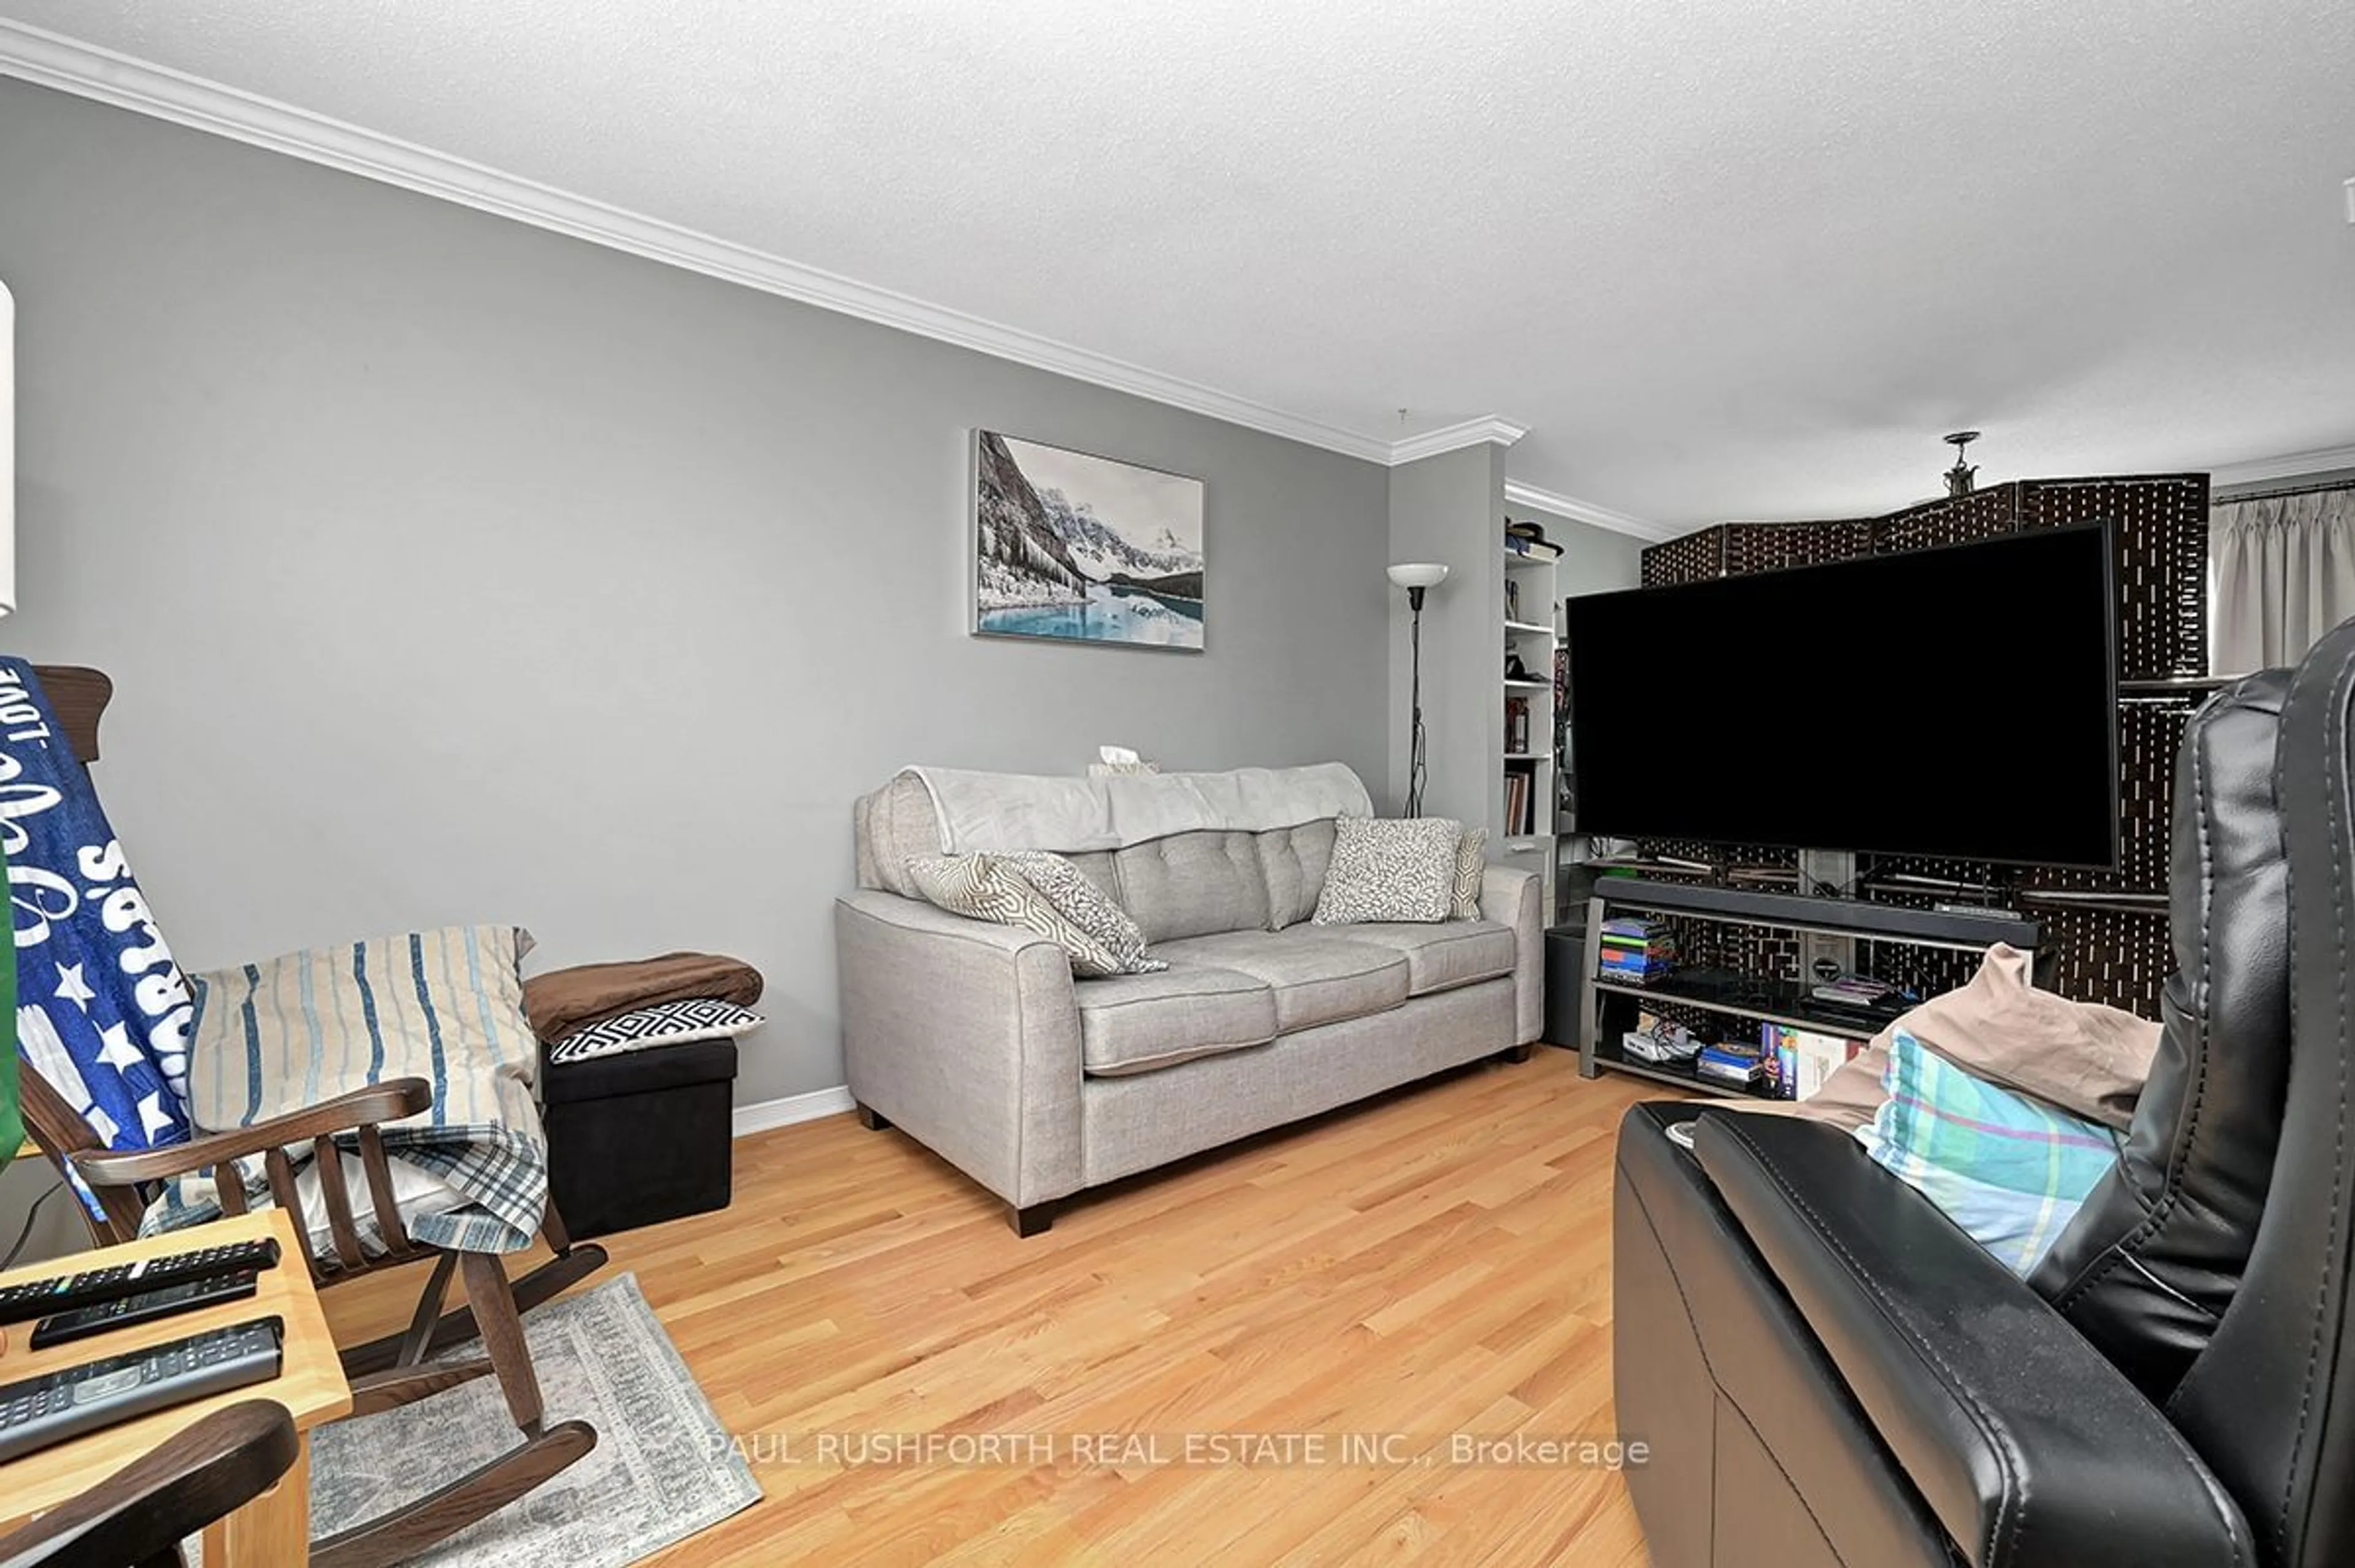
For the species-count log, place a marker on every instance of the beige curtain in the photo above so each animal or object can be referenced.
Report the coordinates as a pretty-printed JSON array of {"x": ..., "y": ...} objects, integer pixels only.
[{"x": 2284, "y": 574}]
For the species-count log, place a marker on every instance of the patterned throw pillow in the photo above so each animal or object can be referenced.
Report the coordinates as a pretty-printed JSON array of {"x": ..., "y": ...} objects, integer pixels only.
[
  {"x": 1078, "y": 900},
  {"x": 987, "y": 887},
  {"x": 2009, "y": 1171},
  {"x": 665, "y": 1023},
  {"x": 1471, "y": 870},
  {"x": 1388, "y": 870}
]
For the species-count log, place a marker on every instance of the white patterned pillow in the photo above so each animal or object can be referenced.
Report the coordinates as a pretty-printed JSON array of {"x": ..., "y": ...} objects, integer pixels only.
[
  {"x": 1078, "y": 900},
  {"x": 1471, "y": 870},
  {"x": 665, "y": 1023},
  {"x": 987, "y": 887},
  {"x": 1388, "y": 869}
]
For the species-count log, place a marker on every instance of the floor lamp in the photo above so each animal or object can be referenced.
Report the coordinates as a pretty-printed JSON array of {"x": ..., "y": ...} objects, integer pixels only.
[{"x": 1417, "y": 577}]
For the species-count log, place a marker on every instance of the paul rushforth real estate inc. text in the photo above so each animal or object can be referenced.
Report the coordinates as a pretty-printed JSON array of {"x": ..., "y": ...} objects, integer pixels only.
[{"x": 1183, "y": 1450}]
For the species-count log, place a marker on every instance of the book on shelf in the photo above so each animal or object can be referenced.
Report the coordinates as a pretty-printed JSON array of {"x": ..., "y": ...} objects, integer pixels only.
[
  {"x": 1520, "y": 799},
  {"x": 1736, "y": 1064},
  {"x": 1637, "y": 951},
  {"x": 1807, "y": 1056},
  {"x": 1516, "y": 723},
  {"x": 1512, "y": 599}
]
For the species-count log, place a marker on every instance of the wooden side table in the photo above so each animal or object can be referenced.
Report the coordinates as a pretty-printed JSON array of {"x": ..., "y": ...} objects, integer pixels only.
[{"x": 274, "y": 1528}]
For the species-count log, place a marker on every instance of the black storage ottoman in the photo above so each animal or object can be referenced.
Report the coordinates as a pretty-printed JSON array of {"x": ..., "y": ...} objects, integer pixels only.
[{"x": 640, "y": 1137}]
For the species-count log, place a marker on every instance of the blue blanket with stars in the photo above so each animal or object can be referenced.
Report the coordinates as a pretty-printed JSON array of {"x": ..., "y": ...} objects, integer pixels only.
[{"x": 103, "y": 1011}]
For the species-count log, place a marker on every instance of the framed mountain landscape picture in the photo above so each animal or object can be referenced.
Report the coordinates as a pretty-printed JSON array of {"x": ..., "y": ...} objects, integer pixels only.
[{"x": 1084, "y": 549}]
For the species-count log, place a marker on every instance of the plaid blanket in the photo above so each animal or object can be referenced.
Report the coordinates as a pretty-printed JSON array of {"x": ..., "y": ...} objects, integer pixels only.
[
  {"x": 2009, "y": 1171},
  {"x": 446, "y": 1006}
]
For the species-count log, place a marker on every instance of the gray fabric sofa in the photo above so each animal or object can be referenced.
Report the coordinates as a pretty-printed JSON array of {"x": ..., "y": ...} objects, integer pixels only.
[{"x": 977, "y": 1042}]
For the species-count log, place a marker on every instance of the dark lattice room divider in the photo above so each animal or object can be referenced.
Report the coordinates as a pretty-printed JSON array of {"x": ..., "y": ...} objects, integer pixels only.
[{"x": 2110, "y": 944}]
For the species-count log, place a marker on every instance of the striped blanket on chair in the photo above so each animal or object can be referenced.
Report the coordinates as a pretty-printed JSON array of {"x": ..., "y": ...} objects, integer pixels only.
[{"x": 446, "y": 1006}]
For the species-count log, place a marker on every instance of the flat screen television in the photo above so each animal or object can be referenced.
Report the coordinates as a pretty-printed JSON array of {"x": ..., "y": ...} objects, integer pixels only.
[{"x": 1958, "y": 703}]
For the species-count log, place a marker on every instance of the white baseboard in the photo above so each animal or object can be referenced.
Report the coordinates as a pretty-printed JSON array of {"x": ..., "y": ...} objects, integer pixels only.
[{"x": 762, "y": 1114}]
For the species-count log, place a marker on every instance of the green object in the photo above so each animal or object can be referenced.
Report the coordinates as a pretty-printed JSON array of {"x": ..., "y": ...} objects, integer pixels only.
[{"x": 11, "y": 1123}]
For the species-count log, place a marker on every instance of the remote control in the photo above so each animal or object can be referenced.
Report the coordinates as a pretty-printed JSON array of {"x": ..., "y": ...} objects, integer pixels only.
[
  {"x": 66, "y": 1327},
  {"x": 41, "y": 1411},
  {"x": 65, "y": 1293}
]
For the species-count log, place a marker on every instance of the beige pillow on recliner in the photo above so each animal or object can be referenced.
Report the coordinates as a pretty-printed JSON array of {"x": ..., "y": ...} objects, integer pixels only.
[{"x": 2089, "y": 1059}]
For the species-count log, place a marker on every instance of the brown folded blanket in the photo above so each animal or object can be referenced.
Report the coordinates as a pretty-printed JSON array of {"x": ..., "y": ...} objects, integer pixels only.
[{"x": 562, "y": 1001}]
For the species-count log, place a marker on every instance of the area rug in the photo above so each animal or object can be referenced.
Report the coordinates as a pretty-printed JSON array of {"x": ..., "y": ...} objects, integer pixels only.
[{"x": 661, "y": 1470}]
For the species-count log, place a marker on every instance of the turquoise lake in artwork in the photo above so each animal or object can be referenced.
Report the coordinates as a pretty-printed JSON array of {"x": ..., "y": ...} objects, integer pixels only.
[{"x": 1106, "y": 614}]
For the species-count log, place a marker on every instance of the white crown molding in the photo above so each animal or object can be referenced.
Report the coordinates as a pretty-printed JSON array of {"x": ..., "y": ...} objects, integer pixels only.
[
  {"x": 48, "y": 59},
  {"x": 1571, "y": 507},
  {"x": 2290, "y": 465},
  {"x": 1455, "y": 437}
]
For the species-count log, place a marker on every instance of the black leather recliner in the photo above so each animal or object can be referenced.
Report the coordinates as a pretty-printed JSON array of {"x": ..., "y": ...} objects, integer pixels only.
[{"x": 1826, "y": 1371}]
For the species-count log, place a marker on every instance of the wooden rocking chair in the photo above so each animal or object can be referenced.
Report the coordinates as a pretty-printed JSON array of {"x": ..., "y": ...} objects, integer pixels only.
[
  {"x": 385, "y": 1374},
  {"x": 137, "y": 1517}
]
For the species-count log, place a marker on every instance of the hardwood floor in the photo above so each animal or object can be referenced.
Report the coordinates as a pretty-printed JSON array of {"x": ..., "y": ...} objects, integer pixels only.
[{"x": 1437, "y": 1262}]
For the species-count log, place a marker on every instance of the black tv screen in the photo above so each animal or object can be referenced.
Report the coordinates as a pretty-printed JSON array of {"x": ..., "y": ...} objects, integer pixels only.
[{"x": 1959, "y": 702}]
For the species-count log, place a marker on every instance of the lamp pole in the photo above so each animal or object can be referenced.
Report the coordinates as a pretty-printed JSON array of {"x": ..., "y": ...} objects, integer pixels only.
[
  {"x": 1418, "y": 577},
  {"x": 1415, "y": 761}
]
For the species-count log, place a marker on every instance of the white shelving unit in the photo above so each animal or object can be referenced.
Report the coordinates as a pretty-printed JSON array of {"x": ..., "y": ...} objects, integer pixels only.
[{"x": 1529, "y": 631}]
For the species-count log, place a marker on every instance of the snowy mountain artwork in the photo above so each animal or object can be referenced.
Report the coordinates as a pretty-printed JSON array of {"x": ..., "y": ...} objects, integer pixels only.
[{"x": 1084, "y": 548}]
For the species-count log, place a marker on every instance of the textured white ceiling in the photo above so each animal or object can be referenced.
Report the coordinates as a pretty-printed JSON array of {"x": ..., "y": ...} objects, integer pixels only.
[{"x": 1726, "y": 258}]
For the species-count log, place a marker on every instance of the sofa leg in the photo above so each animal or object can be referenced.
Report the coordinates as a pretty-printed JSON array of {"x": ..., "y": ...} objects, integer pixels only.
[
  {"x": 1030, "y": 1221},
  {"x": 871, "y": 1120},
  {"x": 1516, "y": 1054}
]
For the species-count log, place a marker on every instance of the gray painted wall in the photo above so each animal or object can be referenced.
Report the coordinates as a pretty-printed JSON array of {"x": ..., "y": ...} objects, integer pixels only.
[
  {"x": 451, "y": 570},
  {"x": 1444, "y": 508},
  {"x": 1452, "y": 509},
  {"x": 1593, "y": 560}
]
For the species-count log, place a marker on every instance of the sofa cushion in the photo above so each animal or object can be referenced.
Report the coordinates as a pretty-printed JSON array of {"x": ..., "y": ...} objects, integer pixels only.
[
  {"x": 1096, "y": 866},
  {"x": 1318, "y": 977},
  {"x": 1439, "y": 956},
  {"x": 1134, "y": 1023},
  {"x": 1191, "y": 884},
  {"x": 1294, "y": 861}
]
